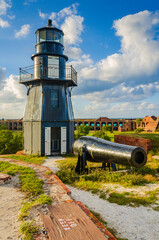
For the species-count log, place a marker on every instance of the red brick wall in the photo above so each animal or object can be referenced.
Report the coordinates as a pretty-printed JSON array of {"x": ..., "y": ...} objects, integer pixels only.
[{"x": 138, "y": 142}]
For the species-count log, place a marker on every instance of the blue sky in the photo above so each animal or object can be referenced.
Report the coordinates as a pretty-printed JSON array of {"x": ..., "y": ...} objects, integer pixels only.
[{"x": 113, "y": 45}]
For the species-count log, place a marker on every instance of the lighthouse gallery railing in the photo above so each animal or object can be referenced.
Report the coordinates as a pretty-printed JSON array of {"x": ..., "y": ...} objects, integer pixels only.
[{"x": 53, "y": 72}]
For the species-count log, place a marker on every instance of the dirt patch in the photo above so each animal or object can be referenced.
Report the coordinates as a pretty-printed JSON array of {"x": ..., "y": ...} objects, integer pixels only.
[{"x": 10, "y": 203}]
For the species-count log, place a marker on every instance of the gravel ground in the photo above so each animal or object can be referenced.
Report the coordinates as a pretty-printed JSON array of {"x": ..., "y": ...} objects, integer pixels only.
[{"x": 140, "y": 223}]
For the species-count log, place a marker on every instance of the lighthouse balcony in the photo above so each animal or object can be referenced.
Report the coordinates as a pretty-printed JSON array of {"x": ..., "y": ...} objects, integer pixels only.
[{"x": 56, "y": 73}]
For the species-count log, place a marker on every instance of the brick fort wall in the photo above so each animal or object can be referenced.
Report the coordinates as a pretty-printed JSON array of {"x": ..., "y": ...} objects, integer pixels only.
[{"x": 138, "y": 142}]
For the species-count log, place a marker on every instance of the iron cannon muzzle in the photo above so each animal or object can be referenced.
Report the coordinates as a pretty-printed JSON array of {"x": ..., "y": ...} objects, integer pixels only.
[{"x": 98, "y": 150}]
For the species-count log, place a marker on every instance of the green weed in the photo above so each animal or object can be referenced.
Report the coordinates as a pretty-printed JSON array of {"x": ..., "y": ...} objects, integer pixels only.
[
  {"x": 102, "y": 195},
  {"x": 156, "y": 208},
  {"x": 26, "y": 206},
  {"x": 29, "y": 229},
  {"x": 48, "y": 172},
  {"x": 128, "y": 199}
]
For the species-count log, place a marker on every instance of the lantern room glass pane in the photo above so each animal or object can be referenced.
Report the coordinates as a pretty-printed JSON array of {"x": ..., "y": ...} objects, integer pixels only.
[
  {"x": 37, "y": 37},
  {"x": 42, "y": 36},
  {"x": 55, "y": 36}
]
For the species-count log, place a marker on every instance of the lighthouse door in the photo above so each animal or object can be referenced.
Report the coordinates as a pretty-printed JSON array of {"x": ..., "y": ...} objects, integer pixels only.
[
  {"x": 63, "y": 139},
  {"x": 47, "y": 141},
  {"x": 53, "y": 67}
]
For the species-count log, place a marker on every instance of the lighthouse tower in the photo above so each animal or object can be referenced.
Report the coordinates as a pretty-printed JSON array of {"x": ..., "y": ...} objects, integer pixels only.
[{"x": 48, "y": 121}]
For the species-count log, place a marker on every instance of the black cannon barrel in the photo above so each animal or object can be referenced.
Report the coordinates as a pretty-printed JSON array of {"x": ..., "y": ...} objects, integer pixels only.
[{"x": 99, "y": 150}]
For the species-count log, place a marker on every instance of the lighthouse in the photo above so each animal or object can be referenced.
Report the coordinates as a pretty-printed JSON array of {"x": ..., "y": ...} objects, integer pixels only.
[{"x": 48, "y": 123}]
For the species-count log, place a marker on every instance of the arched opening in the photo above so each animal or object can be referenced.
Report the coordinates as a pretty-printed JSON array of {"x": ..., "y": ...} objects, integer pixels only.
[
  {"x": 92, "y": 128},
  {"x": 121, "y": 124},
  {"x": 97, "y": 128},
  {"x": 103, "y": 124},
  {"x": 92, "y": 124},
  {"x": 75, "y": 124},
  {"x": 115, "y": 124},
  {"x": 109, "y": 124},
  {"x": 86, "y": 123},
  {"x": 115, "y": 129},
  {"x": 80, "y": 123},
  {"x": 98, "y": 124}
]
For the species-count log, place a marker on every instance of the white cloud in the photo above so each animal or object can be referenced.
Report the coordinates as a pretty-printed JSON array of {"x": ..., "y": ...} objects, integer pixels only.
[
  {"x": 12, "y": 85},
  {"x": 64, "y": 13},
  {"x": 73, "y": 52},
  {"x": 12, "y": 97},
  {"x": 4, "y": 5},
  {"x": 43, "y": 15},
  {"x": 72, "y": 28},
  {"x": 120, "y": 110},
  {"x": 116, "y": 85},
  {"x": 123, "y": 93},
  {"x": 139, "y": 53},
  {"x": 71, "y": 24},
  {"x": 12, "y": 110},
  {"x": 23, "y": 32},
  {"x": 3, "y": 23}
]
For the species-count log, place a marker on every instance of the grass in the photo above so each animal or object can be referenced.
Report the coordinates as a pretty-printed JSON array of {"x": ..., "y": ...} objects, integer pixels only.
[
  {"x": 130, "y": 199},
  {"x": 28, "y": 158},
  {"x": 29, "y": 183},
  {"x": 32, "y": 186},
  {"x": 97, "y": 179}
]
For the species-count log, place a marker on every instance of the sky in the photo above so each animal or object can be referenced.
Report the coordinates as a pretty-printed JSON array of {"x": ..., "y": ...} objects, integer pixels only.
[{"x": 113, "y": 46}]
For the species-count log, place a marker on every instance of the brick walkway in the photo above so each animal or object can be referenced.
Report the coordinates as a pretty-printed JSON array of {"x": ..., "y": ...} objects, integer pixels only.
[{"x": 58, "y": 218}]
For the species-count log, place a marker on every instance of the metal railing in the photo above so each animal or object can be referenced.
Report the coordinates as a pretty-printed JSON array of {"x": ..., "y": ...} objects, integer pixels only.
[{"x": 50, "y": 72}]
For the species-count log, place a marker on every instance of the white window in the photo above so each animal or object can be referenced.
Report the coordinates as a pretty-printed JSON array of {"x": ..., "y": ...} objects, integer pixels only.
[{"x": 53, "y": 67}]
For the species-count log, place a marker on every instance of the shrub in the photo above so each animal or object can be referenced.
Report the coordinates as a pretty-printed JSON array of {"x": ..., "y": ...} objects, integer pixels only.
[
  {"x": 82, "y": 130},
  {"x": 107, "y": 128},
  {"x": 101, "y": 134},
  {"x": 138, "y": 130},
  {"x": 10, "y": 142},
  {"x": 3, "y": 126}
]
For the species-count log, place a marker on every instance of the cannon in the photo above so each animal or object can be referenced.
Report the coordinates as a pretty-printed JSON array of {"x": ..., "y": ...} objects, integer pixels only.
[{"x": 95, "y": 149}]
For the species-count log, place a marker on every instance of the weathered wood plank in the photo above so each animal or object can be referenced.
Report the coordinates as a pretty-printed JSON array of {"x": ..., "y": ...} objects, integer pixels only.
[
  {"x": 73, "y": 224},
  {"x": 50, "y": 227}
]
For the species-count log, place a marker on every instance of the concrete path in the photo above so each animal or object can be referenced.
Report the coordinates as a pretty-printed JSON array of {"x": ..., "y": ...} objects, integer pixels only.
[{"x": 51, "y": 163}]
